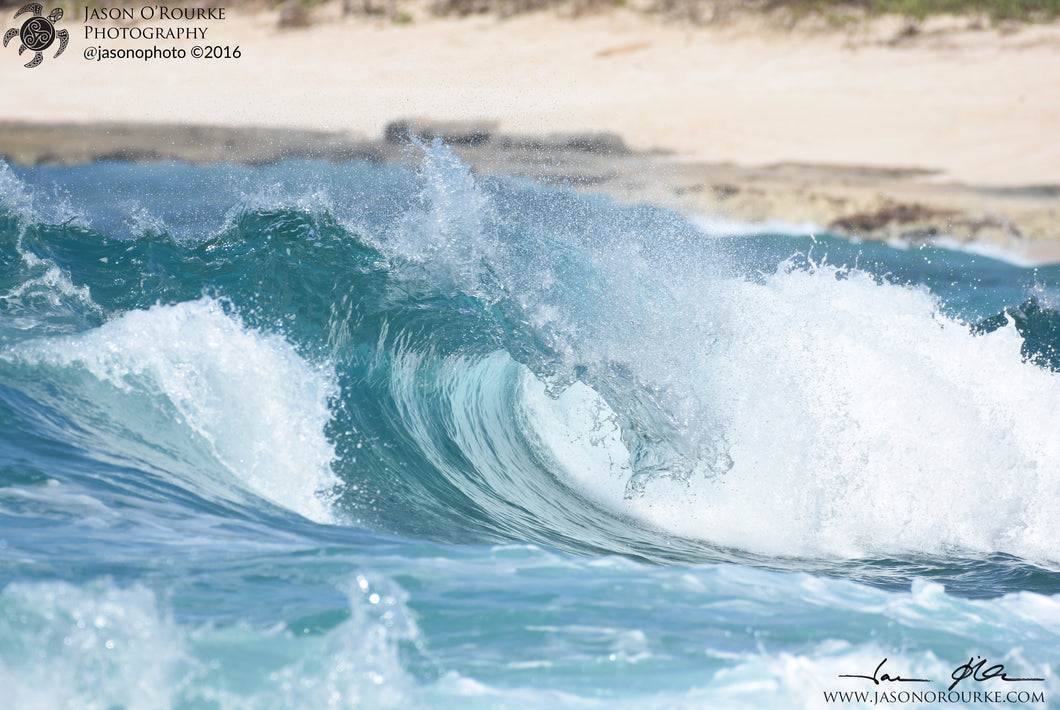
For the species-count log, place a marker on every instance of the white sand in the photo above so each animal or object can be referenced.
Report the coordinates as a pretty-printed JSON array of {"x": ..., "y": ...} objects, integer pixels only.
[{"x": 981, "y": 106}]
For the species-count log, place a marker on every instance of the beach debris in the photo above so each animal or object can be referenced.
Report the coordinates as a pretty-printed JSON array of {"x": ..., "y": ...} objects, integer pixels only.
[
  {"x": 623, "y": 49},
  {"x": 293, "y": 14}
]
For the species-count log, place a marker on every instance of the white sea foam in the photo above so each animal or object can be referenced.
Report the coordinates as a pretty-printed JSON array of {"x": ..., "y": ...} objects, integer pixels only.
[
  {"x": 95, "y": 648},
  {"x": 750, "y": 663},
  {"x": 29, "y": 206},
  {"x": 859, "y": 420},
  {"x": 447, "y": 230},
  {"x": 45, "y": 282},
  {"x": 13, "y": 194},
  {"x": 50, "y": 284},
  {"x": 103, "y": 646},
  {"x": 258, "y": 405},
  {"x": 715, "y": 226}
]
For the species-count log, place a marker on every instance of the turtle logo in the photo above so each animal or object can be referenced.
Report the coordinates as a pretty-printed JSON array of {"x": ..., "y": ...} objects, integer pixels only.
[{"x": 38, "y": 33}]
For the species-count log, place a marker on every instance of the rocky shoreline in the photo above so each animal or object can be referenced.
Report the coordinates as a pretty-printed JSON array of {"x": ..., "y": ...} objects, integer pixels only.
[{"x": 860, "y": 202}]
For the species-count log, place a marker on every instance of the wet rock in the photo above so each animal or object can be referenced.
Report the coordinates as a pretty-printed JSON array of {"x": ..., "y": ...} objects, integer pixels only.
[{"x": 450, "y": 132}]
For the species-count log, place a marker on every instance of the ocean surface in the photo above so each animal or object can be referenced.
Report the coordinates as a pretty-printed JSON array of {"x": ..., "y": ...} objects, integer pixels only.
[{"x": 315, "y": 436}]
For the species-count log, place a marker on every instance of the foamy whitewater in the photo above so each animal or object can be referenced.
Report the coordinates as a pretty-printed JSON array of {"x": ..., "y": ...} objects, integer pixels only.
[{"x": 349, "y": 436}]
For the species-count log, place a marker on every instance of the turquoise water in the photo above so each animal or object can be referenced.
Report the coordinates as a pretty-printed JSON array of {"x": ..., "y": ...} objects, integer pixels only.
[{"x": 312, "y": 435}]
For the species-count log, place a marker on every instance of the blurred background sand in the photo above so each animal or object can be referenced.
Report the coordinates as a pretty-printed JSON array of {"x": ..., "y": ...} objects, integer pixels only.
[{"x": 752, "y": 117}]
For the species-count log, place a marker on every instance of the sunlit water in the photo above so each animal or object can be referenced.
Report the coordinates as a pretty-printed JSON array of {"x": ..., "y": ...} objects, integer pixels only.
[{"x": 310, "y": 435}]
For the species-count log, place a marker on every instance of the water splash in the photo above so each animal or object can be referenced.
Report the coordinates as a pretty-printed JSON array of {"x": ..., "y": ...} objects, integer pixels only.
[{"x": 255, "y": 403}]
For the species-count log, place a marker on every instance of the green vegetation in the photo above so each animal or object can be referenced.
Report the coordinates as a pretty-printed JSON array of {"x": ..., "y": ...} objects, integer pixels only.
[
  {"x": 1026, "y": 10},
  {"x": 506, "y": 8},
  {"x": 837, "y": 11}
]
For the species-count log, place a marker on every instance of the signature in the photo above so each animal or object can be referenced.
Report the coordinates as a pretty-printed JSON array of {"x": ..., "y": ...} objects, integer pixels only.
[
  {"x": 972, "y": 669},
  {"x": 886, "y": 677},
  {"x": 975, "y": 672}
]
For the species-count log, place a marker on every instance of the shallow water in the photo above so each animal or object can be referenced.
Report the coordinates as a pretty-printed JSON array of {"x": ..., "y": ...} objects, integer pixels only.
[{"x": 314, "y": 435}]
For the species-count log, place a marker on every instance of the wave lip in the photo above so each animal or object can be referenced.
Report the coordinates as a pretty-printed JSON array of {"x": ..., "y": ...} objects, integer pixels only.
[
  {"x": 256, "y": 405},
  {"x": 861, "y": 422}
]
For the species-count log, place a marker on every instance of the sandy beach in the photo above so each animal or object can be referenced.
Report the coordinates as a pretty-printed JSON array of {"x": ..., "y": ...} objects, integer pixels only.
[{"x": 865, "y": 127}]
